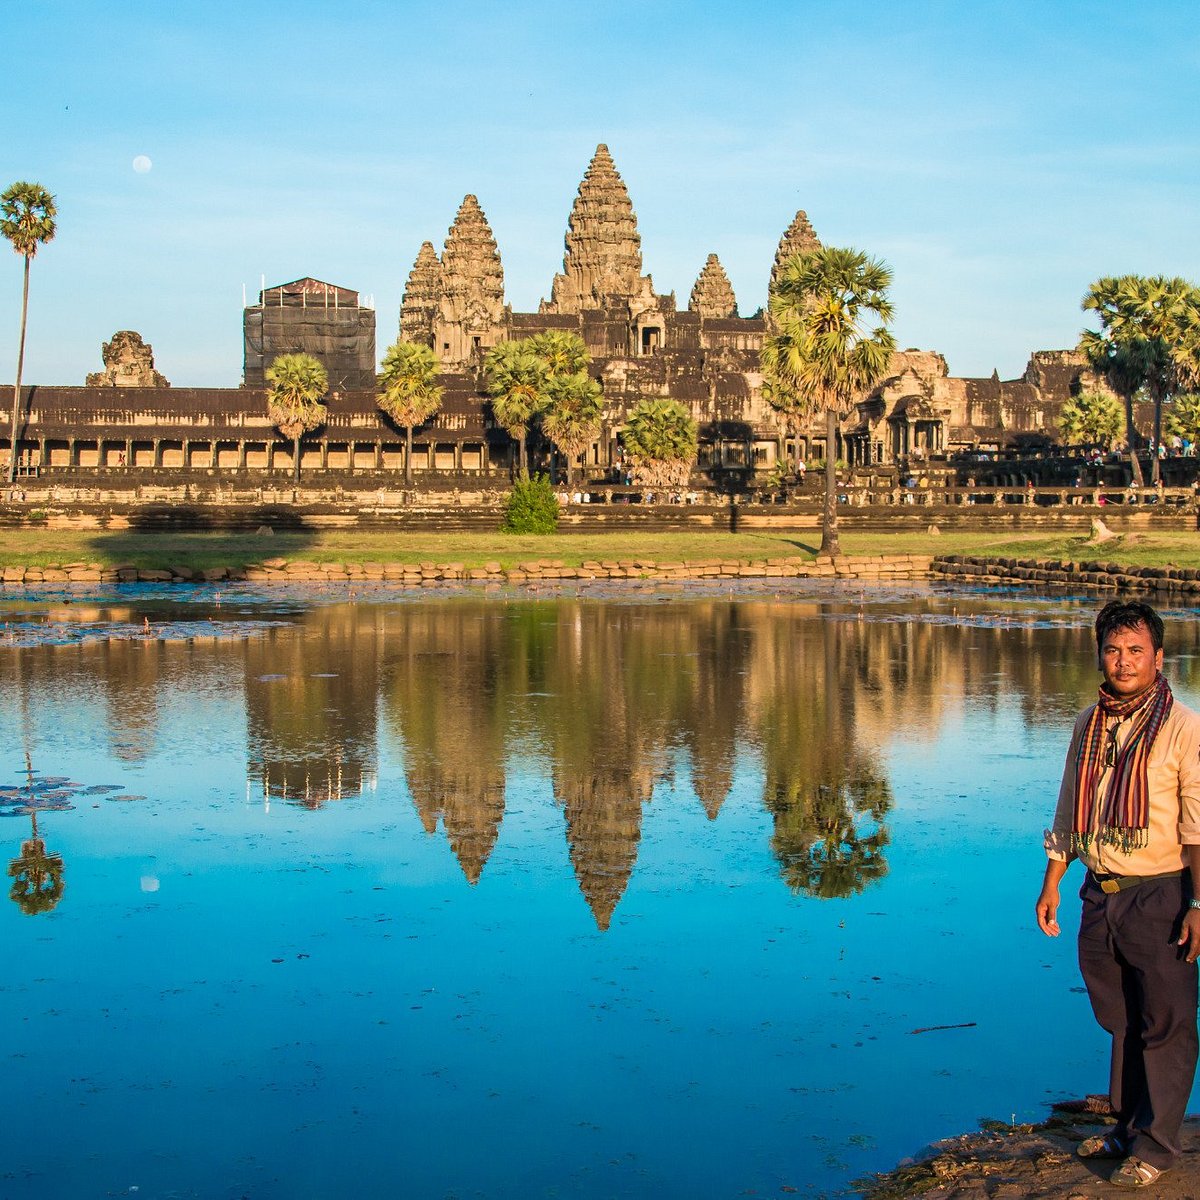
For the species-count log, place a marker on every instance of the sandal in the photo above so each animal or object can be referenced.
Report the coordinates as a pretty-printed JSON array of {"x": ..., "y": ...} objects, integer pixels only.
[
  {"x": 1103, "y": 1145},
  {"x": 1134, "y": 1173}
]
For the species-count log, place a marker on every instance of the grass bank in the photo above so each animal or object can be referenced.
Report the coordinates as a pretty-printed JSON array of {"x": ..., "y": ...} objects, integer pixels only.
[{"x": 41, "y": 547}]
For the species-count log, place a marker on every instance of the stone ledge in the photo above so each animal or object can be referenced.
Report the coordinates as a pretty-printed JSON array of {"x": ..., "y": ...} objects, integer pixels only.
[
  {"x": 1088, "y": 574},
  {"x": 280, "y": 570}
]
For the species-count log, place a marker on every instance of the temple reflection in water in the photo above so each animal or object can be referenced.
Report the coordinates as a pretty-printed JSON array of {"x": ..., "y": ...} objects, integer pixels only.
[{"x": 608, "y": 702}]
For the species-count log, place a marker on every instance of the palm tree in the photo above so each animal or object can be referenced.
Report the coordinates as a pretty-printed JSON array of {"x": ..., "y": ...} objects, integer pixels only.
[
  {"x": 1092, "y": 418},
  {"x": 1183, "y": 418},
  {"x": 832, "y": 307},
  {"x": 516, "y": 381},
  {"x": 294, "y": 403},
  {"x": 27, "y": 222},
  {"x": 1185, "y": 353},
  {"x": 793, "y": 407},
  {"x": 1144, "y": 333},
  {"x": 660, "y": 441},
  {"x": 563, "y": 353},
  {"x": 572, "y": 418},
  {"x": 407, "y": 391}
]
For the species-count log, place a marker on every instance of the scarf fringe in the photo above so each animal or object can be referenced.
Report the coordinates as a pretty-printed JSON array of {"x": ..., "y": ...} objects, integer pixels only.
[{"x": 1125, "y": 840}]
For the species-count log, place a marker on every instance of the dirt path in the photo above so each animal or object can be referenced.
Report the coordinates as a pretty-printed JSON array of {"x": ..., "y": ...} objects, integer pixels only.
[{"x": 1032, "y": 1160}]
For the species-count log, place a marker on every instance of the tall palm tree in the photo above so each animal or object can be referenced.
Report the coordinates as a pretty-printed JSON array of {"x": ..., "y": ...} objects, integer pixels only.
[
  {"x": 516, "y": 381},
  {"x": 660, "y": 439},
  {"x": 794, "y": 407},
  {"x": 27, "y": 213},
  {"x": 572, "y": 417},
  {"x": 294, "y": 403},
  {"x": 1185, "y": 353},
  {"x": 832, "y": 310},
  {"x": 1144, "y": 331},
  {"x": 408, "y": 392}
]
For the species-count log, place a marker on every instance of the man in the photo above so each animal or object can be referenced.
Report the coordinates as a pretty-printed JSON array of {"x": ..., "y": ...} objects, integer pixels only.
[{"x": 1129, "y": 808}]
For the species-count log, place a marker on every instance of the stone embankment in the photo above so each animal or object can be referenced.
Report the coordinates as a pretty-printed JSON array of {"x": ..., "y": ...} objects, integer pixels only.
[
  {"x": 1089, "y": 574},
  {"x": 279, "y": 570}
]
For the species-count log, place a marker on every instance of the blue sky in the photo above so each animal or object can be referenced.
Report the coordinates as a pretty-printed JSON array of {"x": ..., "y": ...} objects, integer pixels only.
[{"x": 999, "y": 156}]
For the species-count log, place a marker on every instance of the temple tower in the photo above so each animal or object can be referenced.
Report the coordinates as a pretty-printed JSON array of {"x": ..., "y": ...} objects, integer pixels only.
[
  {"x": 602, "y": 265},
  {"x": 419, "y": 307},
  {"x": 470, "y": 315},
  {"x": 798, "y": 238},
  {"x": 712, "y": 296}
]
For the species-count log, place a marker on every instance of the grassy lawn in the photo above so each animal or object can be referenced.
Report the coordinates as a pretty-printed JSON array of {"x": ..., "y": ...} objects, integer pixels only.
[{"x": 39, "y": 547}]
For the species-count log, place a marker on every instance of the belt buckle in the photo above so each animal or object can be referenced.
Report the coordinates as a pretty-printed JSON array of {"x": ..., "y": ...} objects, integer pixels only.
[{"x": 1110, "y": 886}]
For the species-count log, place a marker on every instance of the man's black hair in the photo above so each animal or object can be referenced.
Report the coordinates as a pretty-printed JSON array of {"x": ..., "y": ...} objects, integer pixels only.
[{"x": 1128, "y": 614}]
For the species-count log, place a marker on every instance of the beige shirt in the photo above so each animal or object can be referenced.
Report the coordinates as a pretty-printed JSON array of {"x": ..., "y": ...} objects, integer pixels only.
[{"x": 1173, "y": 778}]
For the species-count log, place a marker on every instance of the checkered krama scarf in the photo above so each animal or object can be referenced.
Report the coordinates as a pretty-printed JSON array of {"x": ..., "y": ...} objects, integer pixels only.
[{"x": 1125, "y": 815}]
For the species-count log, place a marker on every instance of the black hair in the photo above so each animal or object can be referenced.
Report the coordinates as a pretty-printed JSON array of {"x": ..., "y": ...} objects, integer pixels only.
[{"x": 1128, "y": 614}]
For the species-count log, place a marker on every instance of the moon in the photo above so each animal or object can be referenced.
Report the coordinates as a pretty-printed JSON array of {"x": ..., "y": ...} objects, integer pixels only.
[{"x": 142, "y": 164}]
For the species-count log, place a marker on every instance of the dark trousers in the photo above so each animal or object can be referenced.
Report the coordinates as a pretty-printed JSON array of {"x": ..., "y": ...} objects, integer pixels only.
[{"x": 1143, "y": 993}]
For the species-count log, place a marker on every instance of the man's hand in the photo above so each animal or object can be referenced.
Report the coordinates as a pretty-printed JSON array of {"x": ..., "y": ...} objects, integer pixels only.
[
  {"x": 1190, "y": 933},
  {"x": 1047, "y": 903},
  {"x": 1047, "y": 910}
]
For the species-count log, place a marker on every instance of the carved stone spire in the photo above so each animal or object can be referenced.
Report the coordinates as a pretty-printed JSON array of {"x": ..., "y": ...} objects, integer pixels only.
[
  {"x": 602, "y": 265},
  {"x": 713, "y": 294},
  {"x": 471, "y": 309},
  {"x": 800, "y": 238},
  {"x": 421, "y": 295}
]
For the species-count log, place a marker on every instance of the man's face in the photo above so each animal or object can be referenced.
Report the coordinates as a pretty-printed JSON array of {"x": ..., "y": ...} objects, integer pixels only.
[{"x": 1129, "y": 661}]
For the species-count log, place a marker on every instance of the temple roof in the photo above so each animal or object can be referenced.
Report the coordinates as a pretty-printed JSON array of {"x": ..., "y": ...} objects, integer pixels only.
[{"x": 308, "y": 291}]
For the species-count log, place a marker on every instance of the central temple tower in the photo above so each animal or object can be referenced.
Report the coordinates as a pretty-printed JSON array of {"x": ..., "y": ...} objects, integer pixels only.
[{"x": 602, "y": 266}]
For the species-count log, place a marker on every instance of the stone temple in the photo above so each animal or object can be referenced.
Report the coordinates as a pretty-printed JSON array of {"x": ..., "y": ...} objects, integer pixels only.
[
  {"x": 706, "y": 356},
  {"x": 642, "y": 344}
]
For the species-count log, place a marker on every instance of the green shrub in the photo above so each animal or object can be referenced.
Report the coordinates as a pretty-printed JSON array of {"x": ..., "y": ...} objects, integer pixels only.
[{"x": 532, "y": 506}]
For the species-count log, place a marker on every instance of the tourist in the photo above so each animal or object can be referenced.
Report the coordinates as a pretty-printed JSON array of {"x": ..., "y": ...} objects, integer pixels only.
[{"x": 1129, "y": 808}]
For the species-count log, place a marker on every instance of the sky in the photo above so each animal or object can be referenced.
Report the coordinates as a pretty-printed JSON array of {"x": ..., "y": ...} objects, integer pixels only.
[{"x": 998, "y": 156}]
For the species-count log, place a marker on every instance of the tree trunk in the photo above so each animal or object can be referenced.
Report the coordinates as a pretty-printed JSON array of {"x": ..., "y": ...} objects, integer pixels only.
[
  {"x": 408, "y": 475},
  {"x": 16, "y": 410},
  {"x": 296, "y": 460},
  {"x": 1155, "y": 470},
  {"x": 521, "y": 460},
  {"x": 1131, "y": 438},
  {"x": 797, "y": 457},
  {"x": 829, "y": 529}
]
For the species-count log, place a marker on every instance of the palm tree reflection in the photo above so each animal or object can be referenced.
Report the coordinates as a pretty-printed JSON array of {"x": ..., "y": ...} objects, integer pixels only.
[
  {"x": 828, "y": 796},
  {"x": 37, "y": 876}
]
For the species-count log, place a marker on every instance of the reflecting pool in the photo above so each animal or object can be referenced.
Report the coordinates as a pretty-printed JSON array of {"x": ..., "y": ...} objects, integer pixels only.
[{"x": 631, "y": 894}]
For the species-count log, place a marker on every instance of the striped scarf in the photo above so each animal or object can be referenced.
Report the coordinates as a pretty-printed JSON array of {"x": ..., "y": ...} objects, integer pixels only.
[{"x": 1125, "y": 816}]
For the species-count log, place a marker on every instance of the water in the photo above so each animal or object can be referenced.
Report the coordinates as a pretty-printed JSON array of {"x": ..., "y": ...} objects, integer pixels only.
[{"x": 496, "y": 896}]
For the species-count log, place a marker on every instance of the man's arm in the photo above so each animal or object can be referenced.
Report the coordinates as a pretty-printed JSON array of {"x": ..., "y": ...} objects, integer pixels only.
[
  {"x": 1047, "y": 902},
  {"x": 1190, "y": 930},
  {"x": 1059, "y": 851}
]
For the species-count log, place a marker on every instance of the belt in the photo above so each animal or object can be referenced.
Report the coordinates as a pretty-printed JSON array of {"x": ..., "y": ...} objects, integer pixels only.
[{"x": 1111, "y": 884}]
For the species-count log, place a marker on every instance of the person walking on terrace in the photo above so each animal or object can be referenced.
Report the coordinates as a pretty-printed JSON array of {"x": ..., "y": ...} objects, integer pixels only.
[{"x": 1129, "y": 809}]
